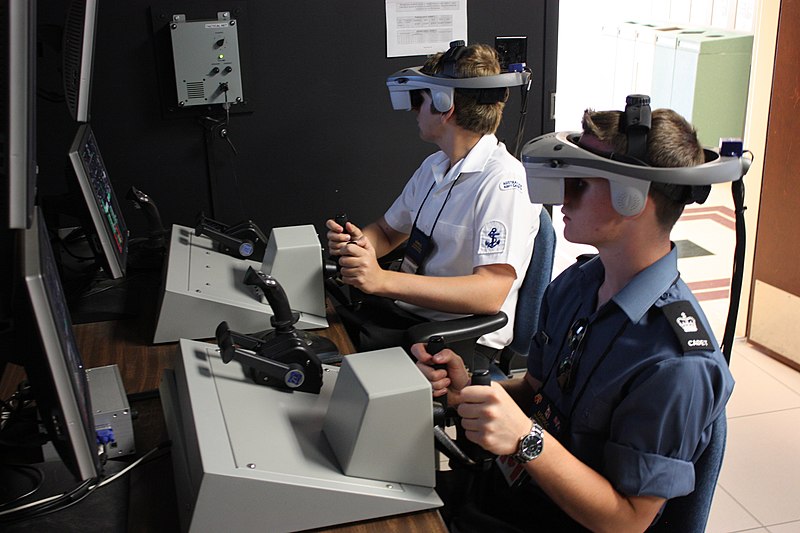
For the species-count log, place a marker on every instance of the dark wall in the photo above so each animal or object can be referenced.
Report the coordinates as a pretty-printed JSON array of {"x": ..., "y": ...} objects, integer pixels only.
[{"x": 317, "y": 136}]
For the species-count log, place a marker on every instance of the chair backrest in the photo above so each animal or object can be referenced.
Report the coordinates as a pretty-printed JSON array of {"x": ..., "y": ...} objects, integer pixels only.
[
  {"x": 689, "y": 514},
  {"x": 531, "y": 292}
]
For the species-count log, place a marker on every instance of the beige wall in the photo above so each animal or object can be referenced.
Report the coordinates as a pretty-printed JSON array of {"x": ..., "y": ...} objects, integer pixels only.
[{"x": 765, "y": 33}]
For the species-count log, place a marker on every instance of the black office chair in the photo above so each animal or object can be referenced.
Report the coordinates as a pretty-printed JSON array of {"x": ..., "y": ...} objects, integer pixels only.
[
  {"x": 689, "y": 514},
  {"x": 529, "y": 302},
  {"x": 531, "y": 293}
]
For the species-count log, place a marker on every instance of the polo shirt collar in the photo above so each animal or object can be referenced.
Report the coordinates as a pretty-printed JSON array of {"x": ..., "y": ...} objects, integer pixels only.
[
  {"x": 645, "y": 288},
  {"x": 474, "y": 161}
]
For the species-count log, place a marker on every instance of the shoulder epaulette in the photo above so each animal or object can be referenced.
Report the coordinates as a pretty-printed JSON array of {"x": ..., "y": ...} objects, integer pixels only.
[{"x": 690, "y": 331}]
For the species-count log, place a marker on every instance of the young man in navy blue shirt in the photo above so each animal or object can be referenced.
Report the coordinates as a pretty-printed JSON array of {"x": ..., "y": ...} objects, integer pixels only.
[{"x": 624, "y": 377}]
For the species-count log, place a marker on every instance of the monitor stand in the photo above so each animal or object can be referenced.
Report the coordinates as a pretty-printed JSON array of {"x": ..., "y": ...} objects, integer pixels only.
[{"x": 252, "y": 458}]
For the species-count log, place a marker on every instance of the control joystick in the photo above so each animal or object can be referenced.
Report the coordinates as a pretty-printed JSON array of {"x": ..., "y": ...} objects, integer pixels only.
[{"x": 352, "y": 297}]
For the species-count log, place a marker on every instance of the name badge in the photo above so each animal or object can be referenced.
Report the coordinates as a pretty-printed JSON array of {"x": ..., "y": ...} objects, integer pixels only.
[{"x": 418, "y": 248}]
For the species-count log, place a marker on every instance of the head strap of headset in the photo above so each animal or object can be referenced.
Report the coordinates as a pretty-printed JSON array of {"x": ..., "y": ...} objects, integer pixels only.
[
  {"x": 487, "y": 89},
  {"x": 552, "y": 157}
]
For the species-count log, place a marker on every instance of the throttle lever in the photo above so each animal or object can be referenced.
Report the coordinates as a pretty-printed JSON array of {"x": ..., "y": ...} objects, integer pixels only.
[{"x": 284, "y": 362}]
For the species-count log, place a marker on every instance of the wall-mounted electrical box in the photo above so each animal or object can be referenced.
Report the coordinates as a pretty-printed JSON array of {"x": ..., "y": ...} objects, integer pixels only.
[{"x": 206, "y": 56}]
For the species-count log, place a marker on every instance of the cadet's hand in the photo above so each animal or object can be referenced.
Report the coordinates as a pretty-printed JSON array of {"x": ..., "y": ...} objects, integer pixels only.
[
  {"x": 450, "y": 379},
  {"x": 492, "y": 419},
  {"x": 339, "y": 237},
  {"x": 360, "y": 268}
]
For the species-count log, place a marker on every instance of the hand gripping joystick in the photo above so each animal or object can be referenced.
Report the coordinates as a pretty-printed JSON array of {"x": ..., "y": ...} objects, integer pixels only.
[
  {"x": 467, "y": 454},
  {"x": 350, "y": 297}
]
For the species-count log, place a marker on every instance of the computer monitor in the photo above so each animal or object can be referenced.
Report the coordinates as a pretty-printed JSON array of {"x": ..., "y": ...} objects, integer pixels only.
[
  {"x": 46, "y": 347},
  {"x": 108, "y": 233},
  {"x": 78, "y": 57},
  {"x": 18, "y": 112}
]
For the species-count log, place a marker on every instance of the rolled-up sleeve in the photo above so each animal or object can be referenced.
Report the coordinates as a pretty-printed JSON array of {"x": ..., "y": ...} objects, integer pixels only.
[{"x": 653, "y": 438}]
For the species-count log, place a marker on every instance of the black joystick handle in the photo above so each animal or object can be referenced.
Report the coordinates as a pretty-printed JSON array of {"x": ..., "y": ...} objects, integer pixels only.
[
  {"x": 435, "y": 345},
  {"x": 341, "y": 219},
  {"x": 482, "y": 377},
  {"x": 467, "y": 453},
  {"x": 283, "y": 319},
  {"x": 155, "y": 228},
  {"x": 356, "y": 297},
  {"x": 482, "y": 458}
]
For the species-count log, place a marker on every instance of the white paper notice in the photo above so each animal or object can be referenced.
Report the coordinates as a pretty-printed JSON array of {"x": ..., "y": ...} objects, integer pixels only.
[{"x": 423, "y": 27}]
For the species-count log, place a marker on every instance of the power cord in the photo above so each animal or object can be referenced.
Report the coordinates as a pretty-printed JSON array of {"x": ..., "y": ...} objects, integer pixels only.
[
  {"x": 67, "y": 499},
  {"x": 524, "y": 90}
]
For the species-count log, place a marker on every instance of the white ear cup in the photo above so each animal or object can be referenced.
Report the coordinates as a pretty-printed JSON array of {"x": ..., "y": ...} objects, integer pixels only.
[
  {"x": 442, "y": 98},
  {"x": 628, "y": 200}
]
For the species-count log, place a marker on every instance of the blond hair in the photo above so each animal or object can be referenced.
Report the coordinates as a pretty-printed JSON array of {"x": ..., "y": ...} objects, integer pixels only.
[{"x": 476, "y": 60}]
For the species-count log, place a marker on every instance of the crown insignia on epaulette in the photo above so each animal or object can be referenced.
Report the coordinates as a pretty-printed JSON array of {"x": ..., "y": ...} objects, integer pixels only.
[{"x": 687, "y": 323}]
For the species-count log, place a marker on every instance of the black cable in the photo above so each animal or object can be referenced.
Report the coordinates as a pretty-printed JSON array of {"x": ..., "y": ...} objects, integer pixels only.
[
  {"x": 524, "y": 90},
  {"x": 38, "y": 482},
  {"x": 75, "y": 495},
  {"x": 48, "y": 505},
  {"x": 737, "y": 190}
]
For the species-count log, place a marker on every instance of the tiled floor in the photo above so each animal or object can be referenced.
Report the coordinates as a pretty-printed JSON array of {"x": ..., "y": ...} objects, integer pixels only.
[{"x": 759, "y": 486}]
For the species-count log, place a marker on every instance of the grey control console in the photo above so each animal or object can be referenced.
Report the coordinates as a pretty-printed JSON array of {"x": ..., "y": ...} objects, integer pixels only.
[{"x": 254, "y": 458}]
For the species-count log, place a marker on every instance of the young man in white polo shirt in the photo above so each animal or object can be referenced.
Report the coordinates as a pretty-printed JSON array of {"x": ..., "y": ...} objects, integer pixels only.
[{"x": 464, "y": 213}]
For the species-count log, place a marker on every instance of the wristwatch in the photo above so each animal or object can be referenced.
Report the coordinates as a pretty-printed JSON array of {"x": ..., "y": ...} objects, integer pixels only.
[{"x": 530, "y": 445}]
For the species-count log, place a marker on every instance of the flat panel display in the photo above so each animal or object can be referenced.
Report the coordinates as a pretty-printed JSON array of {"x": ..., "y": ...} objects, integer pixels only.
[
  {"x": 110, "y": 235},
  {"x": 51, "y": 358}
]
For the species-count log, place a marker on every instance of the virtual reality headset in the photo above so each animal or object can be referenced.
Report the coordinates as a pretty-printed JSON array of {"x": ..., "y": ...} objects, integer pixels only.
[
  {"x": 551, "y": 158},
  {"x": 402, "y": 82}
]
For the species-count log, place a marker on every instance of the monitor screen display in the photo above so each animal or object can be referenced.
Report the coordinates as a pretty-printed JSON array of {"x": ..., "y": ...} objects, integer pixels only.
[
  {"x": 18, "y": 112},
  {"x": 109, "y": 226},
  {"x": 54, "y": 367},
  {"x": 78, "y": 59}
]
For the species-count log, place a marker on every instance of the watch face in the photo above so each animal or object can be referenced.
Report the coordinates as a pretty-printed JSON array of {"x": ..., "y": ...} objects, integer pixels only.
[{"x": 530, "y": 446}]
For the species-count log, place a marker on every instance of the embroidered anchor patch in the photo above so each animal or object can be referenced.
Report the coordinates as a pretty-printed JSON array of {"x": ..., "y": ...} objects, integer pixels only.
[{"x": 493, "y": 238}]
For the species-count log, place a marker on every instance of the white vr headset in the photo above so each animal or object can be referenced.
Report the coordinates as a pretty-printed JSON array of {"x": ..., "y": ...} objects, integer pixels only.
[
  {"x": 551, "y": 158},
  {"x": 402, "y": 82}
]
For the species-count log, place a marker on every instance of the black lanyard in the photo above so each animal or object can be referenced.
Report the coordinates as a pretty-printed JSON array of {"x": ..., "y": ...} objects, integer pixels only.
[
  {"x": 419, "y": 245},
  {"x": 449, "y": 191}
]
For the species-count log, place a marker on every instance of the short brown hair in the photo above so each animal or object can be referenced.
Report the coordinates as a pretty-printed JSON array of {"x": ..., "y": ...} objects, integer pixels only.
[
  {"x": 671, "y": 142},
  {"x": 476, "y": 60}
]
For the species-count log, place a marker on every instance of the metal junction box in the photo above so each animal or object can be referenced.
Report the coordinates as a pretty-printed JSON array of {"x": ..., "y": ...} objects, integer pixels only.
[{"x": 207, "y": 64}]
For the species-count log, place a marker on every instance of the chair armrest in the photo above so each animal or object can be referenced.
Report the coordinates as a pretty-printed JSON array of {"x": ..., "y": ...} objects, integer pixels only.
[{"x": 458, "y": 329}]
